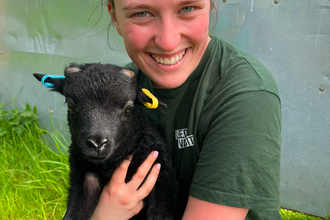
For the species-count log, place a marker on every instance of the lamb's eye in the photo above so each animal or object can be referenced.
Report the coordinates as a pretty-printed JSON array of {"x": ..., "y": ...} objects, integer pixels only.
[
  {"x": 128, "y": 109},
  {"x": 71, "y": 107}
]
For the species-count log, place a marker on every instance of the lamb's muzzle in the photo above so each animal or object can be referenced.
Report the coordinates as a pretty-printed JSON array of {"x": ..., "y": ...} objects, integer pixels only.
[{"x": 97, "y": 145}]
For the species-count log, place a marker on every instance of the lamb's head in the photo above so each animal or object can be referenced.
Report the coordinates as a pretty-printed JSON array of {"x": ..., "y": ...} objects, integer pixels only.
[{"x": 102, "y": 100}]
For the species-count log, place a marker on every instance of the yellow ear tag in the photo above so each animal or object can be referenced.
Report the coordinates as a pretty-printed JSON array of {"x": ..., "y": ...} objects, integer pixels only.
[{"x": 154, "y": 103}]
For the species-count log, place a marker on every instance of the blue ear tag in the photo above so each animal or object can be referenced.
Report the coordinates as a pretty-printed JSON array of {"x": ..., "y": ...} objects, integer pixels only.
[{"x": 50, "y": 85}]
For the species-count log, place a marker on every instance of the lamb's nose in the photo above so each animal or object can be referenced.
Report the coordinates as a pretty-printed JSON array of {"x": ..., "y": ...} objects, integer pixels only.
[{"x": 98, "y": 145}]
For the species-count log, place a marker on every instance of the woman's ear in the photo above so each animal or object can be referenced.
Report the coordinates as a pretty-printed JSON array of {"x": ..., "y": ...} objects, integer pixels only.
[
  {"x": 109, "y": 6},
  {"x": 113, "y": 18}
]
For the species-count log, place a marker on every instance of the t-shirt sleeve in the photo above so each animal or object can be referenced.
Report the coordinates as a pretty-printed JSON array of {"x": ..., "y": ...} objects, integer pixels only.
[{"x": 239, "y": 163}]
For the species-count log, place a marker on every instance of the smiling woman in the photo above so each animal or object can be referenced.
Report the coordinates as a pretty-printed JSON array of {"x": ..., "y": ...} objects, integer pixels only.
[
  {"x": 154, "y": 37},
  {"x": 225, "y": 144}
]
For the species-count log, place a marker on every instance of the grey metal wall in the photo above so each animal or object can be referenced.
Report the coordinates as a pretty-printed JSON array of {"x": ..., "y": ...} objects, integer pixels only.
[{"x": 291, "y": 37}]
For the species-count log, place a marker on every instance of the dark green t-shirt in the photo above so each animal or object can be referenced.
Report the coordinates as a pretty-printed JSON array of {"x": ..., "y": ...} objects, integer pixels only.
[{"x": 222, "y": 127}]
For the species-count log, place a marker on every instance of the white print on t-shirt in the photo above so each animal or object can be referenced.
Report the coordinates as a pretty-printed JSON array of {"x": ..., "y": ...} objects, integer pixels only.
[{"x": 183, "y": 139}]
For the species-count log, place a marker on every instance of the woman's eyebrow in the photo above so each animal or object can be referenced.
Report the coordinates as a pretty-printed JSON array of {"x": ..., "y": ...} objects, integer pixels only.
[
  {"x": 145, "y": 6},
  {"x": 135, "y": 6},
  {"x": 187, "y": 2}
]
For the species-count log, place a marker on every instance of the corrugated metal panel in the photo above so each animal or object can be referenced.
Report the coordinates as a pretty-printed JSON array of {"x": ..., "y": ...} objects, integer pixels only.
[{"x": 292, "y": 38}]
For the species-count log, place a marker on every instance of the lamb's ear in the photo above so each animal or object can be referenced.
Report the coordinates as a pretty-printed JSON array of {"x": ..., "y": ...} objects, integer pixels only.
[
  {"x": 149, "y": 100},
  {"x": 72, "y": 69},
  {"x": 128, "y": 73},
  {"x": 56, "y": 83}
]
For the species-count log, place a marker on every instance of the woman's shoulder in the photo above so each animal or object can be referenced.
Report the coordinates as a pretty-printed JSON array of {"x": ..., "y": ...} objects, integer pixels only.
[
  {"x": 131, "y": 66},
  {"x": 237, "y": 70}
]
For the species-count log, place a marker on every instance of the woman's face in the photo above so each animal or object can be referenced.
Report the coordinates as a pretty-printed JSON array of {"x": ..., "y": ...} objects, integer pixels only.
[{"x": 166, "y": 39}]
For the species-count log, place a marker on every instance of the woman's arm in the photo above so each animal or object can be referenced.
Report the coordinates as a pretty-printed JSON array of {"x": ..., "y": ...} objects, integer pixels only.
[
  {"x": 120, "y": 200},
  {"x": 199, "y": 209}
]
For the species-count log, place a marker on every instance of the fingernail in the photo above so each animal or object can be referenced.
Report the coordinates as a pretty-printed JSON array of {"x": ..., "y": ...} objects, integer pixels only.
[
  {"x": 155, "y": 154},
  {"x": 158, "y": 166}
]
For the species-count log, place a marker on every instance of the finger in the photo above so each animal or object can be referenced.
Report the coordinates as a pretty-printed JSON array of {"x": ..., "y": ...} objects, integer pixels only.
[
  {"x": 118, "y": 177},
  {"x": 143, "y": 170},
  {"x": 150, "y": 182}
]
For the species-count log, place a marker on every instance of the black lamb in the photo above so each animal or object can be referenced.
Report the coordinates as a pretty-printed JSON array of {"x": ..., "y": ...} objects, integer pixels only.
[{"x": 107, "y": 126}]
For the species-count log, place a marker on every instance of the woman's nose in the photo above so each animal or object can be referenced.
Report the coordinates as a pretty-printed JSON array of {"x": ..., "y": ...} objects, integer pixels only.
[{"x": 168, "y": 35}]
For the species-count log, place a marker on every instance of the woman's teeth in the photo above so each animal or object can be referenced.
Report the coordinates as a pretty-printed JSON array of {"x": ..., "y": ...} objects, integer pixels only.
[{"x": 169, "y": 61}]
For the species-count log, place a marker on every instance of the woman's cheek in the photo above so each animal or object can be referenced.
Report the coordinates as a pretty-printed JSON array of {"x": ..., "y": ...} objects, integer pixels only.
[
  {"x": 199, "y": 27},
  {"x": 136, "y": 38}
]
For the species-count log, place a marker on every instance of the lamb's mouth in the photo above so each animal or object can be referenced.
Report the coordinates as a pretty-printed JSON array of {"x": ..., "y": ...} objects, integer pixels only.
[
  {"x": 169, "y": 61},
  {"x": 96, "y": 155}
]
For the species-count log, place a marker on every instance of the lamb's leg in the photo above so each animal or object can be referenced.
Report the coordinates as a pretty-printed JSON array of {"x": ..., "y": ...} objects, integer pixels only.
[
  {"x": 75, "y": 200},
  {"x": 162, "y": 200},
  {"x": 83, "y": 198}
]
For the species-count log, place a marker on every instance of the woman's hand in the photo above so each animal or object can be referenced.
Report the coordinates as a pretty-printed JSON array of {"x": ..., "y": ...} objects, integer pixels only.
[{"x": 120, "y": 200}]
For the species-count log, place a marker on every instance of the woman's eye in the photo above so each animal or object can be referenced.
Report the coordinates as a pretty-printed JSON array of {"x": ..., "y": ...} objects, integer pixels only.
[
  {"x": 187, "y": 9},
  {"x": 142, "y": 14}
]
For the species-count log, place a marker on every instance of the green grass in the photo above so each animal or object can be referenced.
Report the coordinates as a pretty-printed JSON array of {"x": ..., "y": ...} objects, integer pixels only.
[
  {"x": 291, "y": 215},
  {"x": 33, "y": 178}
]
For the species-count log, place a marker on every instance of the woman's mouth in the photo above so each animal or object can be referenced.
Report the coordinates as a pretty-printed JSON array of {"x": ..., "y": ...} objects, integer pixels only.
[{"x": 169, "y": 60}]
